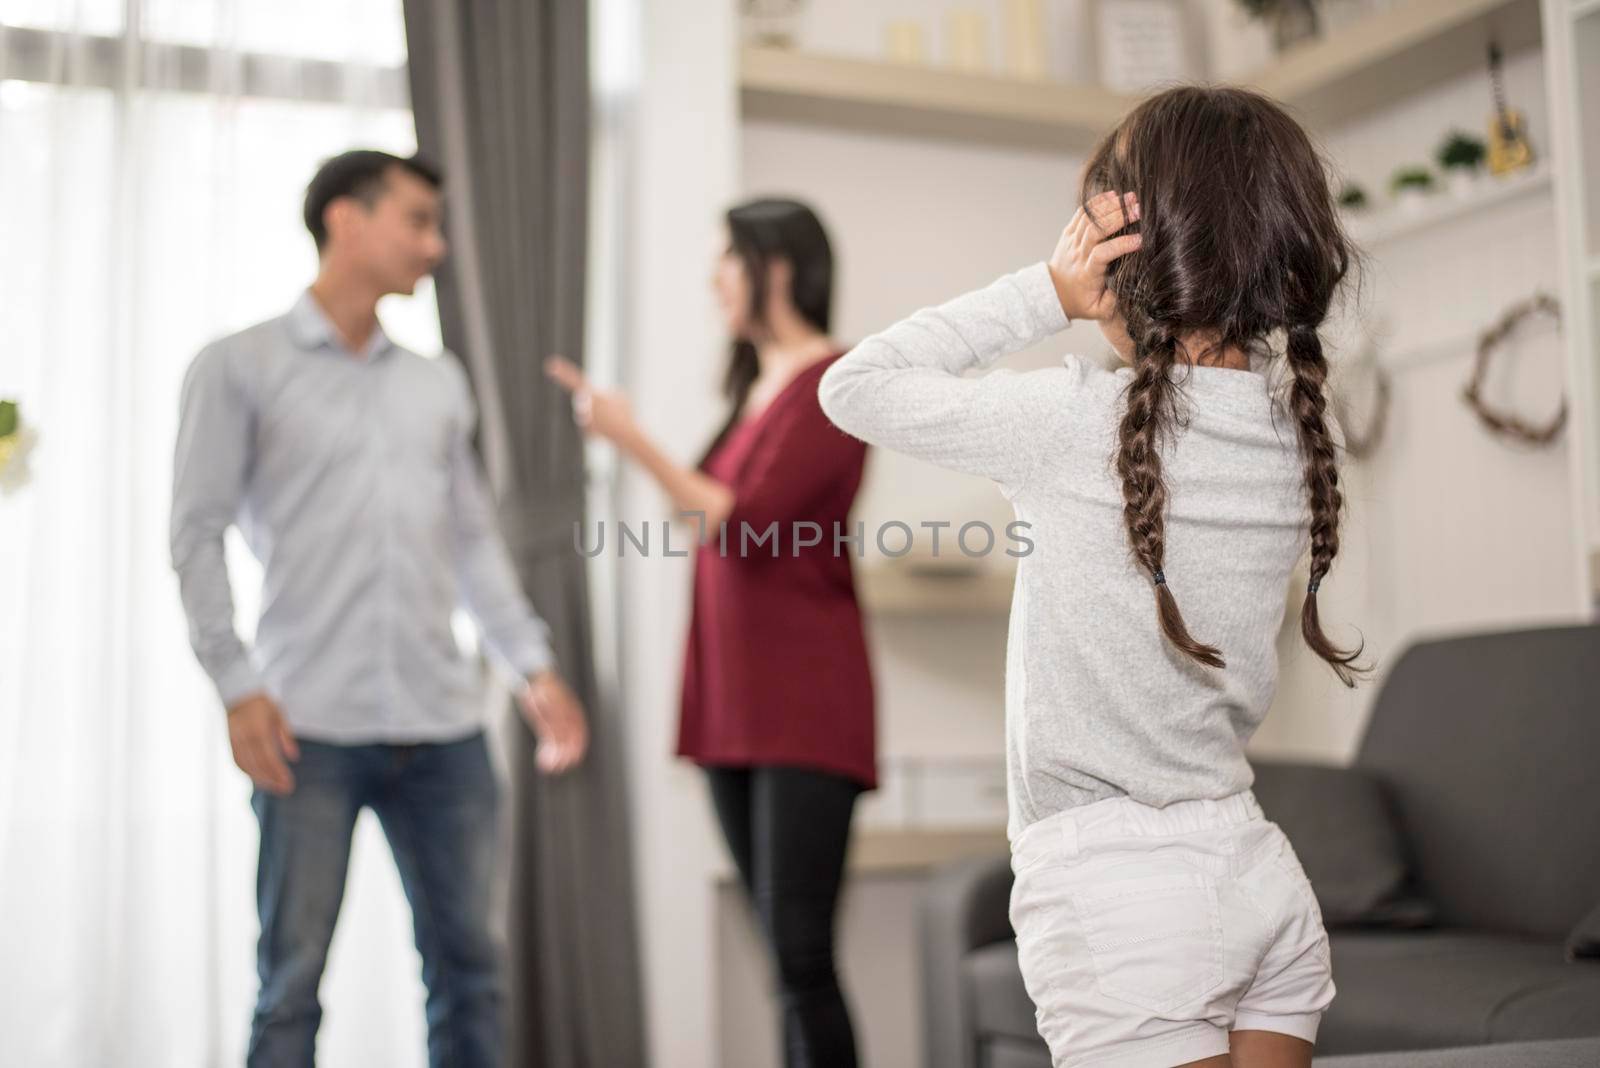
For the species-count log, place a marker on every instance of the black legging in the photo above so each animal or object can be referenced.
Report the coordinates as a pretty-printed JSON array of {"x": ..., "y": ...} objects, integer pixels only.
[{"x": 787, "y": 829}]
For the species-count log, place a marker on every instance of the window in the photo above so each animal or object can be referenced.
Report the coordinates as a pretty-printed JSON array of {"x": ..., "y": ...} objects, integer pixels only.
[{"x": 151, "y": 171}]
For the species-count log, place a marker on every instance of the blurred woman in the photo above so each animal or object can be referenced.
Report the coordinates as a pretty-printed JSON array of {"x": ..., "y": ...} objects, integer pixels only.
[{"x": 777, "y": 702}]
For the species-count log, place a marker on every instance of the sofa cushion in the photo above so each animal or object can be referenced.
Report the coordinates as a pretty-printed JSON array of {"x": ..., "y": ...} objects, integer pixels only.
[
  {"x": 1427, "y": 989},
  {"x": 1001, "y": 1005},
  {"x": 996, "y": 1052},
  {"x": 1486, "y": 746},
  {"x": 1584, "y": 941},
  {"x": 1344, "y": 832}
]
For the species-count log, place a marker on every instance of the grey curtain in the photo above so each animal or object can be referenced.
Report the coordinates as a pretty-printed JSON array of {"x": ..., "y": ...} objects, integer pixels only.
[{"x": 500, "y": 91}]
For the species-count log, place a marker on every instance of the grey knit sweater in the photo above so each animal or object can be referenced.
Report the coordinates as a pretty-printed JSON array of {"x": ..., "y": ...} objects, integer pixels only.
[{"x": 1098, "y": 703}]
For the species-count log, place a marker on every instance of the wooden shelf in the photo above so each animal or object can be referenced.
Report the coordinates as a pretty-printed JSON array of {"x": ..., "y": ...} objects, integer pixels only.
[
  {"x": 1359, "y": 67},
  {"x": 1376, "y": 228},
  {"x": 917, "y": 849},
  {"x": 889, "y": 590},
  {"x": 904, "y": 850},
  {"x": 923, "y": 100},
  {"x": 1392, "y": 54}
]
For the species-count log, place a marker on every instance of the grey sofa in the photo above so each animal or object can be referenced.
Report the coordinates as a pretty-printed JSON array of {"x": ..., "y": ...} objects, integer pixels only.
[
  {"x": 1551, "y": 1053},
  {"x": 1483, "y": 753}
]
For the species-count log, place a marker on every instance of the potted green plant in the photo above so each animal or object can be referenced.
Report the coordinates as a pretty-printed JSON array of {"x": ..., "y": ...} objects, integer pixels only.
[
  {"x": 1291, "y": 21},
  {"x": 16, "y": 441},
  {"x": 1411, "y": 186},
  {"x": 1461, "y": 158}
]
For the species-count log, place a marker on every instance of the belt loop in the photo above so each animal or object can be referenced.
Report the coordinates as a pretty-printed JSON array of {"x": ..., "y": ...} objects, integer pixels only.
[{"x": 1069, "y": 838}]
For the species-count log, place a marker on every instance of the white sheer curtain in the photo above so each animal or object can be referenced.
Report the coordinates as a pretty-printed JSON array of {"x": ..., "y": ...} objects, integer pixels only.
[{"x": 152, "y": 158}]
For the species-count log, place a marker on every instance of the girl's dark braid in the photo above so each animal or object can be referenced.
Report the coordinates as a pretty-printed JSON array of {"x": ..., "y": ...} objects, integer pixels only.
[
  {"x": 1308, "y": 403},
  {"x": 1145, "y": 425}
]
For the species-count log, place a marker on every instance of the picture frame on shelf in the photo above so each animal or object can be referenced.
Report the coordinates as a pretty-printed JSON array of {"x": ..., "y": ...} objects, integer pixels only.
[{"x": 1141, "y": 44}]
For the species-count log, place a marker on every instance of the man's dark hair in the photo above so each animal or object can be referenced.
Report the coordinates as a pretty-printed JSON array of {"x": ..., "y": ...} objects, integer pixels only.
[{"x": 358, "y": 173}]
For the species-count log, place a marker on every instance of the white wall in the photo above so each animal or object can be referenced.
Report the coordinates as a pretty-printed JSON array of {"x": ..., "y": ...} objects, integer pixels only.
[{"x": 684, "y": 176}]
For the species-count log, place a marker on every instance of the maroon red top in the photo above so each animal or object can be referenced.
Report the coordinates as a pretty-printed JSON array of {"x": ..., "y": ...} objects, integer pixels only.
[{"x": 776, "y": 667}]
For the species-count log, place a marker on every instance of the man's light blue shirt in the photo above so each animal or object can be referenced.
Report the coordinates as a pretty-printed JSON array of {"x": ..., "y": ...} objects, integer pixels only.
[{"x": 353, "y": 480}]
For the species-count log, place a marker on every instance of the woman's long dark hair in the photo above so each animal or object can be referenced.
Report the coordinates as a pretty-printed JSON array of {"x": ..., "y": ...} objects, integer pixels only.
[
  {"x": 760, "y": 231},
  {"x": 1242, "y": 245}
]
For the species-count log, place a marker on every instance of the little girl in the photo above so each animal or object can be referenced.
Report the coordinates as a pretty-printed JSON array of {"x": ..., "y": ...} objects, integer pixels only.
[{"x": 1160, "y": 919}]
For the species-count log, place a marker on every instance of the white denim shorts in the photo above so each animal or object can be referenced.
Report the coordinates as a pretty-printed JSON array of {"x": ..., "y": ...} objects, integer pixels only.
[{"x": 1146, "y": 934}]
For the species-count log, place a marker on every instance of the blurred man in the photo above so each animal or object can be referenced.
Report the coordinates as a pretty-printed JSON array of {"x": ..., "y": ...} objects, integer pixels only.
[{"x": 347, "y": 463}]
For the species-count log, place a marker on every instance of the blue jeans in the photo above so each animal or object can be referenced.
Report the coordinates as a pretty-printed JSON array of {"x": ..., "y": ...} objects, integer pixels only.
[{"x": 437, "y": 805}]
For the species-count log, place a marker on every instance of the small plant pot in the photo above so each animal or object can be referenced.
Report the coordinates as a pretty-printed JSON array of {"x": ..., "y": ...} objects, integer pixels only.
[
  {"x": 1411, "y": 199},
  {"x": 1463, "y": 181}
]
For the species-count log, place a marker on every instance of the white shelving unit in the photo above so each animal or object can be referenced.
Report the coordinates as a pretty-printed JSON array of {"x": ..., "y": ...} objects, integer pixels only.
[
  {"x": 1572, "y": 73},
  {"x": 925, "y": 101},
  {"x": 1362, "y": 66},
  {"x": 1392, "y": 54},
  {"x": 1390, "y": 224}
]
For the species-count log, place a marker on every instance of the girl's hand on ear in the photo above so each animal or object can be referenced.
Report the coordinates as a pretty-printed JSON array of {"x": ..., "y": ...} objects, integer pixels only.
[
  {"x": 1078, "y": 265},
  {"x": 598, "y": 412}
]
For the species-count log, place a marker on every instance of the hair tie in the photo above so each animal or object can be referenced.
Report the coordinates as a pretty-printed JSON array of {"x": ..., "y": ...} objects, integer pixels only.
[
  {"x": 1312, "y": 586},
  {"x": 1159, "y": 578}
]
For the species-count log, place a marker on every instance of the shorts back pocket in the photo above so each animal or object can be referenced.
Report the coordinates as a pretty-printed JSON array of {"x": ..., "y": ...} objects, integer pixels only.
[
  {"x": 1288, "y": 862},
  {"x": 1156, "y": 941}
]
